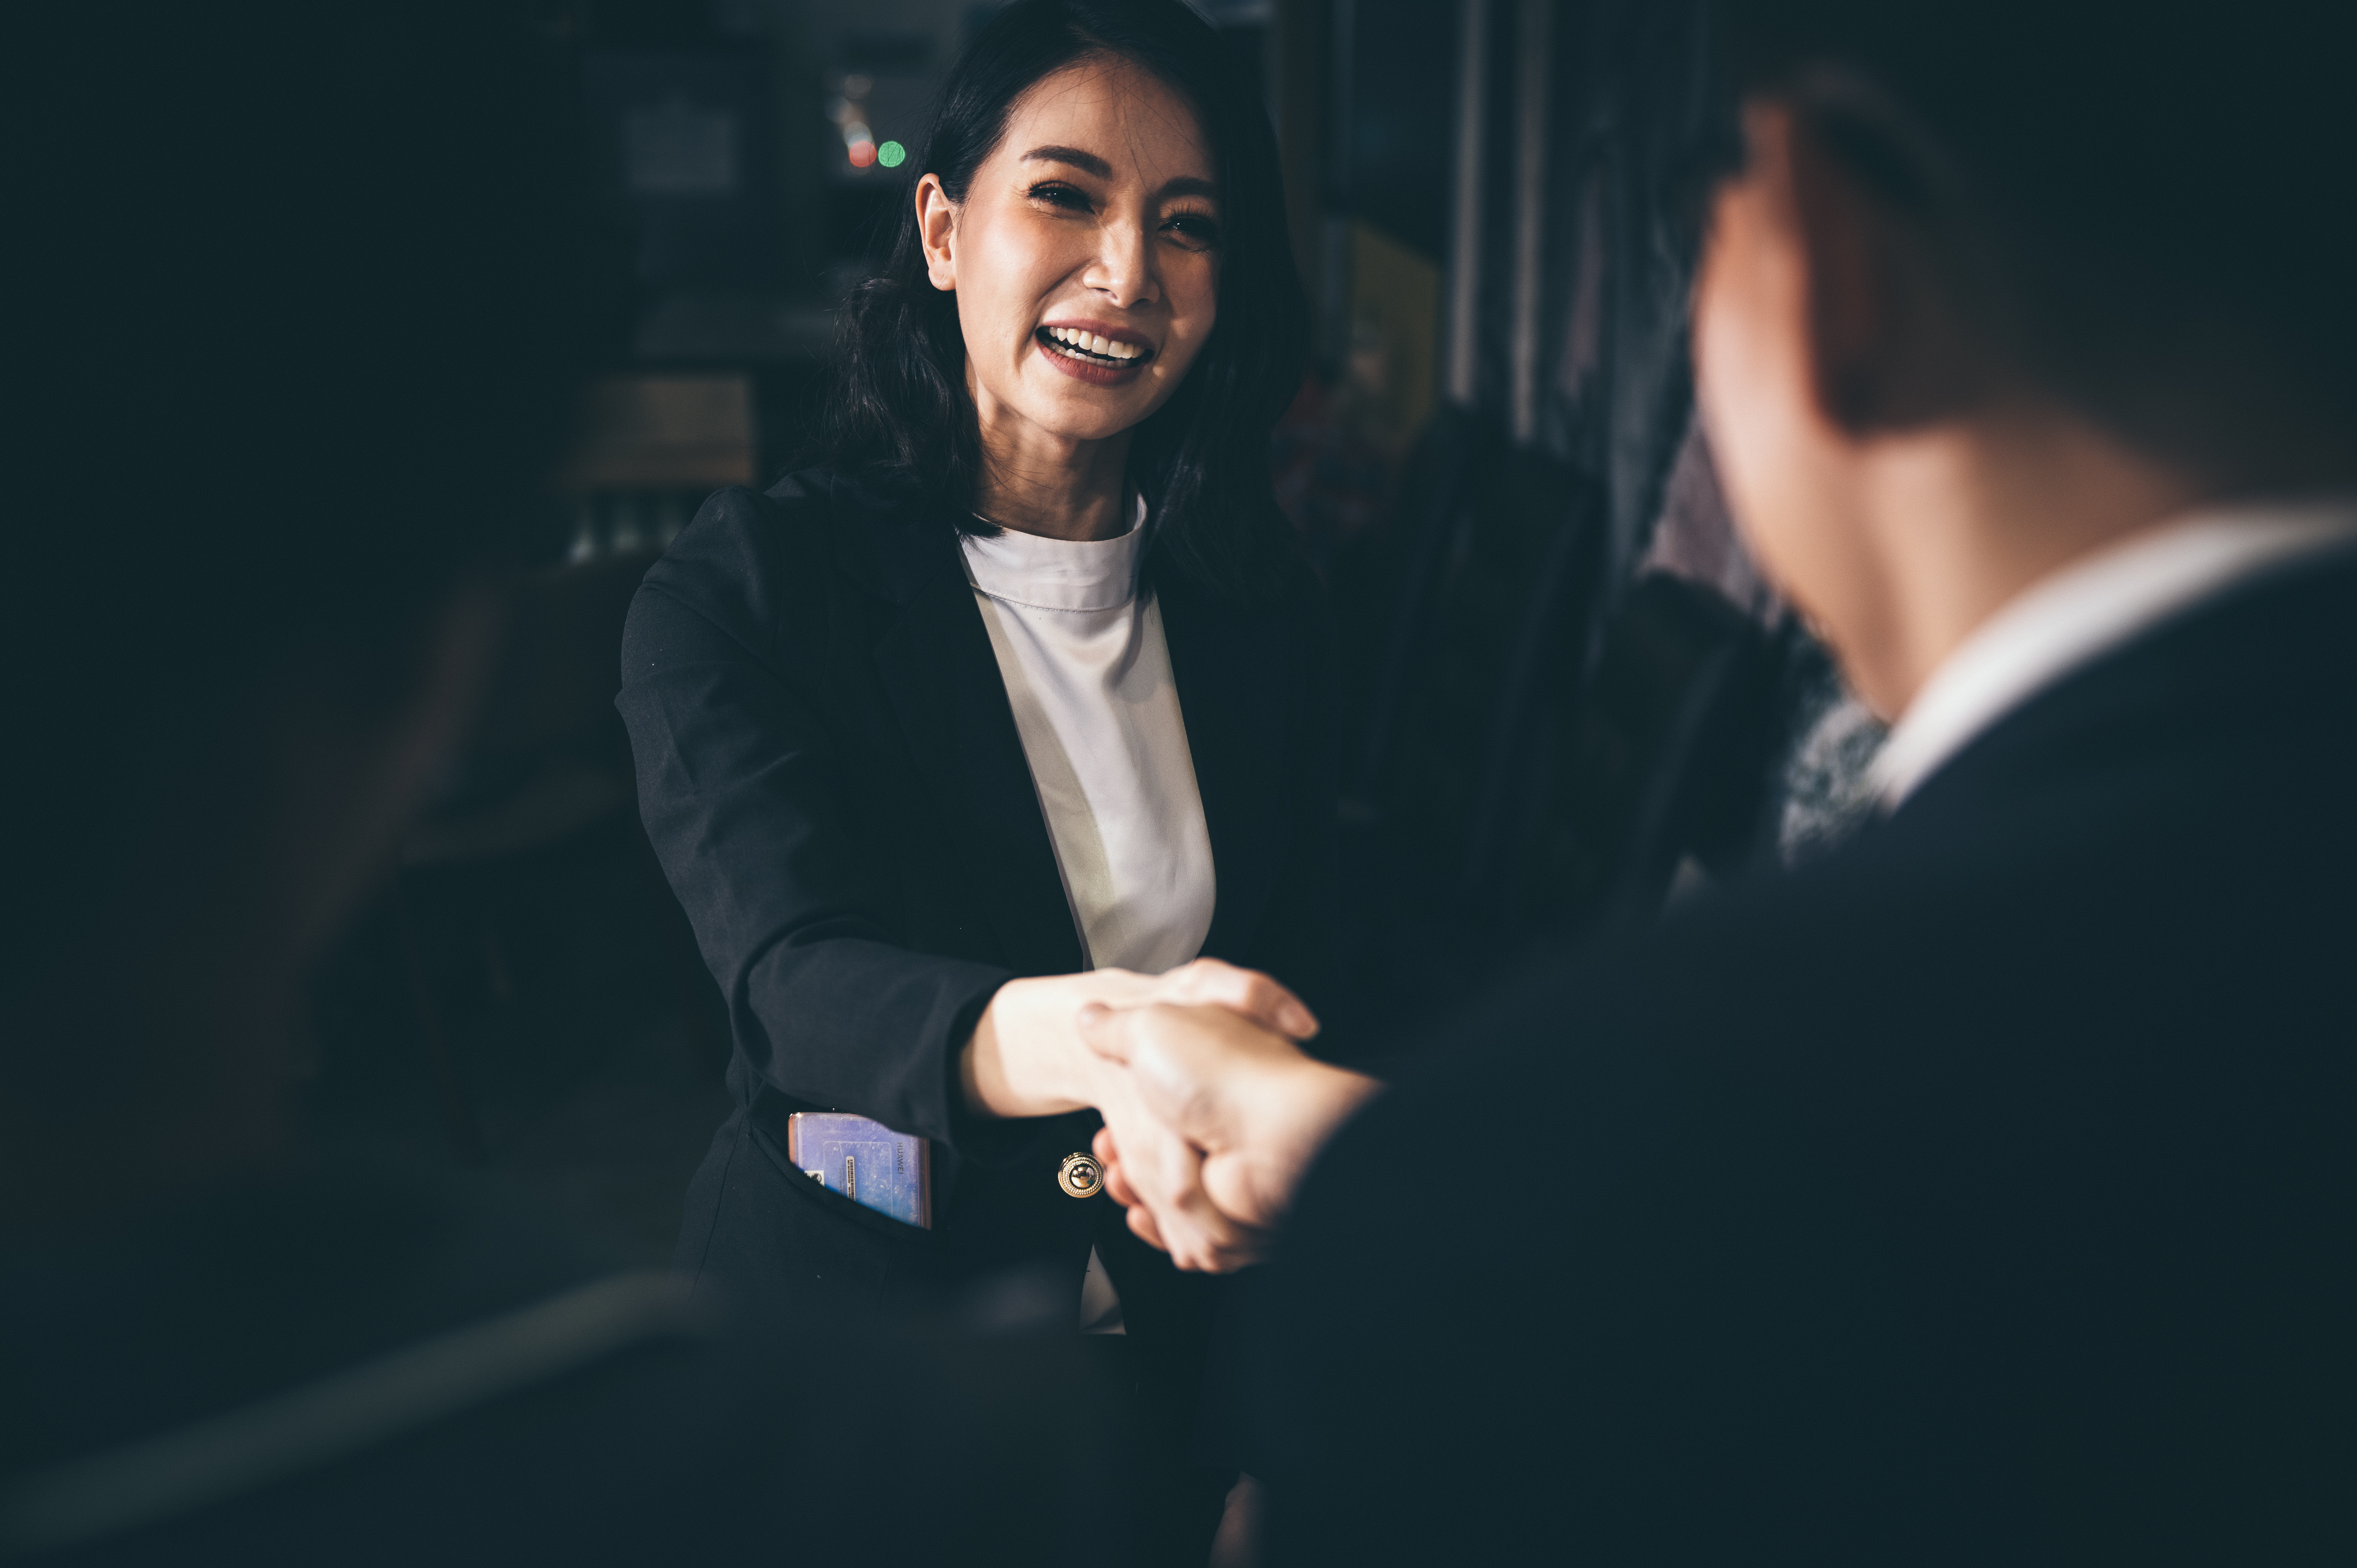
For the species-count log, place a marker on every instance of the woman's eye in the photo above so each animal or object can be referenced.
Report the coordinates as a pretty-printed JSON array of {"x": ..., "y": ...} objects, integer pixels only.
[
  {"x": 1061, "y": 196},
  {"x": 1199, "y": 229}
]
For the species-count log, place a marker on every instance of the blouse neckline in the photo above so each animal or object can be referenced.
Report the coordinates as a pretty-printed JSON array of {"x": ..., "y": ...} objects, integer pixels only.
[{"x": 1040, "y": 573}]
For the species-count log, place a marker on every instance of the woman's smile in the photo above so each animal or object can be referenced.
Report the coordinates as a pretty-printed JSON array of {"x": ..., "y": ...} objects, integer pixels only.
[{"x": 1095, "y": 352}]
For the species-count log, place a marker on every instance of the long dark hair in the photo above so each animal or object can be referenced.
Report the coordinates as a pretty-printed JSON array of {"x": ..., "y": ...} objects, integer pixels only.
[{"x": 897, "y": 416}]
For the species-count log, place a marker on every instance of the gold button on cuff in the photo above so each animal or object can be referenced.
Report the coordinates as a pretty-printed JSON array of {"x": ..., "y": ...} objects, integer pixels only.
[{"x": 1080, "y": 1176}]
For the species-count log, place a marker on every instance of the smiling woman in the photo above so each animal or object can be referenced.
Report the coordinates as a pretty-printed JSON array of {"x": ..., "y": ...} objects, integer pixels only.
[
  {"x": 1121, "y": 131},
  {"x": 1013, "y": 698},
  {"x": 1085, "y": 249}
]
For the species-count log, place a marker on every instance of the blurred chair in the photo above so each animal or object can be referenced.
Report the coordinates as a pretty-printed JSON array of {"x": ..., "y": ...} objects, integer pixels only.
[
  {"x": 548, "y": 757},
  {"x": 548, "y": 761},
  {"x": 649, "y": 448},
  {"x": 1464, "y": 620},
  {"x": 1524, "y": 750},
  {"x": 1665, "y": 758}
]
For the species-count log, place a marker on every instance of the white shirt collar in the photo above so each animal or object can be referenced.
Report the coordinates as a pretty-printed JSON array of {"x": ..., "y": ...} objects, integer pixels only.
[
  {"x": 1033, "y": 570},
  {"x": 2086, "y": 609}
]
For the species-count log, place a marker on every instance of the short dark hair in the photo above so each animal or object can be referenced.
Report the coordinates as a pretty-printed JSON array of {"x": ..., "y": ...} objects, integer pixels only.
[
  {"x": 2144, "y": 209},
  {"x": 896, "y": 412},
  {"x": 290, "y": 331}
]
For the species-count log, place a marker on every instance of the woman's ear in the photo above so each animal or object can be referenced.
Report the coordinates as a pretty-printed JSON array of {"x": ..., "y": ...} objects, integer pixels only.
[{"x": 937, "y": 227}]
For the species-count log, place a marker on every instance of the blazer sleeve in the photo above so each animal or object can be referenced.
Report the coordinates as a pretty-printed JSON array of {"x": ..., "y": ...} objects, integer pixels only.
[{"x": 739, "y": 785}]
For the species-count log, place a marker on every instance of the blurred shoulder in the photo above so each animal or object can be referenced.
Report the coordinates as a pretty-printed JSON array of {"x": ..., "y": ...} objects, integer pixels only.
[
  {"x": 1282, "y": 588},
  {"x": 1309, "y": 606},
  {"x": 1300, "y": 592},
  {"x": 1301, "y": 610}
]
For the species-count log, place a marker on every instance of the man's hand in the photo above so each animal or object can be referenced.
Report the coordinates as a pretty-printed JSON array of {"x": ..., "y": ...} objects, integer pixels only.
[
  {"x": 1242, "y": 1093},
  {"x": 1159, "y": 1174}
]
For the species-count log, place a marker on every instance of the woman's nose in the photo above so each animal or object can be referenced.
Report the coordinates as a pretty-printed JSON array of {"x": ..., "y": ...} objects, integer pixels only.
[{"x": 1124, "y": 268}]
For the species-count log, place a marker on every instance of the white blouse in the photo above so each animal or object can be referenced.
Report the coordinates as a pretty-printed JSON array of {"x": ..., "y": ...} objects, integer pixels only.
[{"x": 1088, "y": 674}]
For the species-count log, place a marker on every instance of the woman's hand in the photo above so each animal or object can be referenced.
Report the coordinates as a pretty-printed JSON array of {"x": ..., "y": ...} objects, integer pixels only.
[
  {"x": 1026, "y": 1058},
  {"x": 1246, "y": 1099}
]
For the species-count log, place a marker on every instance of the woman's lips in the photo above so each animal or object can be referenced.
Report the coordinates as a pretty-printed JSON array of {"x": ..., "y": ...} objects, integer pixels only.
[{"x": 1070, "y": 359}]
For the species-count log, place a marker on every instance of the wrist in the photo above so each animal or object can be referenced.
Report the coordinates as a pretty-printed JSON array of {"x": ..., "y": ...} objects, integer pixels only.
[
  {"x": 1313, "y": 1102},
  {"x": 1025, "y": 1056}
]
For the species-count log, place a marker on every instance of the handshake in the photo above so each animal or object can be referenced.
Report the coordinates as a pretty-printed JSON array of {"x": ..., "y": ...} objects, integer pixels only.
[{"x": 1212, "y": 1111}]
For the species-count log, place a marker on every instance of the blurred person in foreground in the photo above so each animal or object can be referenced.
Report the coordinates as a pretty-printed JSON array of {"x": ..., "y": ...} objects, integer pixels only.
[
  {"x": 1982, "y": 1193},
  {"x": 289, "y": 335}
]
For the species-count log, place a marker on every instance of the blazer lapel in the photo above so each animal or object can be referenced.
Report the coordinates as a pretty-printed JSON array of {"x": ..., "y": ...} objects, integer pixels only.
[
  {"x": 937, "y": 664},
  {"x": 1235, "y": 671}
]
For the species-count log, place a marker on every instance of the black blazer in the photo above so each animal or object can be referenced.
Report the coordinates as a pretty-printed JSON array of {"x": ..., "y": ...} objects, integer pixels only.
[
  {"x": 829, "y": 770},
  {"x": 1986, "y": 1194}
]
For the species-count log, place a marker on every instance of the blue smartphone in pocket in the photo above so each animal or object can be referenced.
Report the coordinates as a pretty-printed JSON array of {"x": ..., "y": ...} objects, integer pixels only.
[{"x": 865, "y": 1161}]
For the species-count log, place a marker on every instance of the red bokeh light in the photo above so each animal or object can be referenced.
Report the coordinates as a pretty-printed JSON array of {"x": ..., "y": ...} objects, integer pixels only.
[{"x": 862, "y": 154}]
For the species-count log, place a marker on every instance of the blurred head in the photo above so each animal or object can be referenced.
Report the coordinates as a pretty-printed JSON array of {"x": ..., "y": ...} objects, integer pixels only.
[
  {"x": 1083, "y": 253},
  {"x": 289, "y": 338},
  {"x": 2105, "y": 246},
  {"x": 1167, "y": 230}
]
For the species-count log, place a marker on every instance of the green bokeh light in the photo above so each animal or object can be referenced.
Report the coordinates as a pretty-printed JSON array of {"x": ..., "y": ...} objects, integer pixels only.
[{"x": 891, "y": 155}]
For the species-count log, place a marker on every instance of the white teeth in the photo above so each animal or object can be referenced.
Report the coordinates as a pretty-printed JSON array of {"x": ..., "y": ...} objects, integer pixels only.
[{"x": 1093, "y": 343}]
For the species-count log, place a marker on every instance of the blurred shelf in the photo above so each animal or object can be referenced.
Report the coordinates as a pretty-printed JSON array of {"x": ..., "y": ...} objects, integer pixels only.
[
  {"x": 734, "y": 329},
  {"x": 663, "y": 433}
]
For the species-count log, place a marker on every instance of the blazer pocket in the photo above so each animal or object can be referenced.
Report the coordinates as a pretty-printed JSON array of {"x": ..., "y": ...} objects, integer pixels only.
[
  {"x": 833, "y": 1205},
  {"x": 811, "y": 1254}
]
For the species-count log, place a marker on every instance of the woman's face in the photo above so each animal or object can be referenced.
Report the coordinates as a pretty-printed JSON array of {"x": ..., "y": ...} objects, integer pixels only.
[{"x": 1085, "y": 257}]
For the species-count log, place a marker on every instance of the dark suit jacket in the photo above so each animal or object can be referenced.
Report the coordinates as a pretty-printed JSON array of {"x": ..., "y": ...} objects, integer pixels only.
[
  {"x": 1986, "y": 1194},
  {"x": 829, "y": 770}
]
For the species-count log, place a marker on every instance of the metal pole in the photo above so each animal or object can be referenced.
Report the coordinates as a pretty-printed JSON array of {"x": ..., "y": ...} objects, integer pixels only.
[
  {"x": 1334, "y": 260},
  {"x": 1465, "y": 220},
  {"x": 1535, "y": 45}
]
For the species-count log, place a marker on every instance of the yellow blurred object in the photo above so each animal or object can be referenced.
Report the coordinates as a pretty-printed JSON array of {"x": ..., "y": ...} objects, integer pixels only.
[{"x": 1394, "y": 350}]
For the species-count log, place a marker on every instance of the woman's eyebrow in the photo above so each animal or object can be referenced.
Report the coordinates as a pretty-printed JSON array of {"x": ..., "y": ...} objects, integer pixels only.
[{"x": 1087, "y": 162}]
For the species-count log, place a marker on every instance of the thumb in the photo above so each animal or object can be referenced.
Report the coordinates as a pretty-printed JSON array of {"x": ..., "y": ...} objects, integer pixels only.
[{"x": 1179, "y": 1059}]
